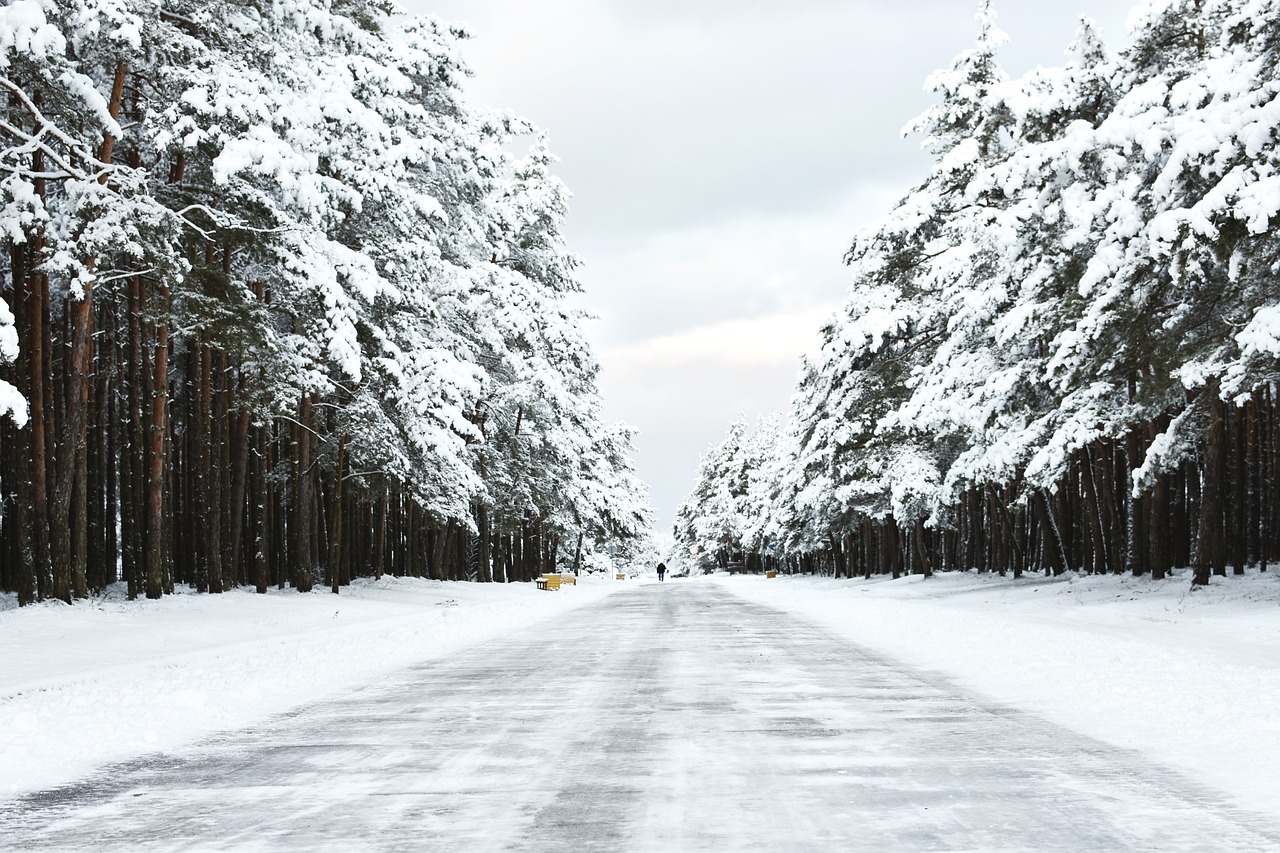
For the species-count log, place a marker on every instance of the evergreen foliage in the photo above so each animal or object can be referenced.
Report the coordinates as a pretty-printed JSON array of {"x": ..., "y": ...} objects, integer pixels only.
[
  {"x": 280, "y": 307},
  {"x": 1059, "y": 350}
]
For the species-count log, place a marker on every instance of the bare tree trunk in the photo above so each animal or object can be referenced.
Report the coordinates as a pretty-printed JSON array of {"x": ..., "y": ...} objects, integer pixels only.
[
  {"x": 500, "y": 571},
  {"x": 133, "y": 482},
  {"x": 1057, "y": 549},
  {"x": 1093, "y": 511},
  {"x": 888, "y": 548},
  {"x": 1254, "y": 521},
  {"x": 1119, "y": 482},
  {"x": 78, "y": 440},
  {"x": 437, "y": 544},
  {"x": 1240, "y": 498},
  {"x": 868, "y": 544},
  {"x": 1158, "y": 528},
  {"x": 519, "y": 542},
  {"x": 278, "y": 516},
  {"x": 104, "y": 556},
  {"x": 40, "y": 391},
  {"x": 1211, "y": 555},
  {"x": 1136, "y": 534},
  {"x": 380, "y": 549},
  {"x": 239, "y": 481},
  {"x": 303, "y": 563},
  {"x": 260, "y": 515},
  {"x": 485, "y": 557},
  {"x": 19, "y": 521},
  {"x": 159, "y": 426},
  {"x": 335, "y": 560},
  {"x": 841, "y": 565},
  {"x": 922, "y": 560},
  {"x": 1268, "y": 485},
  {"x": 222, "y": 436},
  {"x": 208, "y": 478},
  {"x": 977, "y": 533}
]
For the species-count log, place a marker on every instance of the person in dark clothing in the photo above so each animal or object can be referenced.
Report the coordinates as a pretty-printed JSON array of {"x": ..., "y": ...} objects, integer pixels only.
[{"x": 662, "y": 570}]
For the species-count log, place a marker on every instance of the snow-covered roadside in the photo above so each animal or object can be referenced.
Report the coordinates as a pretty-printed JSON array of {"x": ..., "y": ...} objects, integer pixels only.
[
  {"x": 1190, "y": 679},
  {"x": 108, "y": 680}
]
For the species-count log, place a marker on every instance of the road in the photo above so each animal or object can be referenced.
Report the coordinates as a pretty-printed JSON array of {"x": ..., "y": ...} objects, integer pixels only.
[{"x": 670, "y": 717}]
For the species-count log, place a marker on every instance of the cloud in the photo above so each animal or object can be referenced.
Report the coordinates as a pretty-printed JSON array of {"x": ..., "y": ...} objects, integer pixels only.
[
  {"x": 735, "y": 269},
  {"x": 770, "y": 340},
  {"x": 666, "y": 115},
  {"x": 673, "y": 113}
]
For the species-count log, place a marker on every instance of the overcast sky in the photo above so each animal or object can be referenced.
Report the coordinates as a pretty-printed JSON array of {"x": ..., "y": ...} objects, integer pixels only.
[{"x": 721, "y": 155}]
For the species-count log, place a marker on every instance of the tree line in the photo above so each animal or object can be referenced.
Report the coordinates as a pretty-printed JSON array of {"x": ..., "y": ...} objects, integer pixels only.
[
  {"x": 1059, "y": 350},
  {"x": 280, "y": 307}
]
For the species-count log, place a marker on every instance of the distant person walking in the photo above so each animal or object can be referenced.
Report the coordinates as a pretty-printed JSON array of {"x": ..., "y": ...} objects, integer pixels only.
[{"x": 662, "y": 571}]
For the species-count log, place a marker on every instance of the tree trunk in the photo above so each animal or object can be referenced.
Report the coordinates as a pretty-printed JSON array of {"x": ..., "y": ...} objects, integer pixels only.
[
  {"x": 1093, "y": 510},
  {"x": 155, "y": 551},
  {"x": 922, "y": 563},
  {"x": 239, "y": 483},
  {"x": 1157, "y": 528},
  {"x": 208, "y": 516},
  {"x": 1254, "y": 519},
  {"x": 1057, "y": 550},
  {"x": 380, "y": 549},
  {"x": 1135, "y": 517},
  {"x": 261, "y": 514},
  {"x": 303, "y": 562},
  {"x": 1240, "y": 499},
  {"x": 837, "y": 553},
  {"x": 1211, "y": 557},
  {"x": 133, "y": 473},
  {"x": 21, "y": 519},
  {"x": 437, "y": 545},
  {"x": 484, "y": 558},
  {"x": 40, "y": 391},
  {"x": 335, "y": 560}
]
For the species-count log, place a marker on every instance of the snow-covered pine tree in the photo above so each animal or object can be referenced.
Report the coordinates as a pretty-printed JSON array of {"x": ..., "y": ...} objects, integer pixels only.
[
  {"x": 1041, "y": 349},
  {"x": 309, "y": 266}
]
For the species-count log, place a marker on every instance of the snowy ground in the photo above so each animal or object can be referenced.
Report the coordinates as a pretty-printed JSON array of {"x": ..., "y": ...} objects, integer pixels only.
[
  {"x": 665, "y": 717},
  {"x": 108, "y": 680},
  {"x": 1189, "y": 679}
]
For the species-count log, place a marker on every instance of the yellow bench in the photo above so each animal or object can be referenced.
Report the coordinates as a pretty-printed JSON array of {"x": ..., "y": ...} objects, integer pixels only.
[
  {"x": 771, "y": 574},
  {"x": 548, "y": 582},
  {"x": 568, "y": 580},
  {"x": 621, "y": 576}
]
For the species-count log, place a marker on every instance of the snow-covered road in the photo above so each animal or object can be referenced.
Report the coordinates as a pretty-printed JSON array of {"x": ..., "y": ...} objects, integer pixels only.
[{"x": 666, "y": 717}]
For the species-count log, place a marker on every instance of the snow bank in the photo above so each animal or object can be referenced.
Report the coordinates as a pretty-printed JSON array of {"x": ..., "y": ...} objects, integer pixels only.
[
  {"x": 1190, "y": 679},
  {"x": 107, "y": 680}
]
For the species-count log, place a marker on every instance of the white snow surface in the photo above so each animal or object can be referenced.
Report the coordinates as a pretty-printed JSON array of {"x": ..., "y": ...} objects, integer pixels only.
[
  {"x": 1190, "y": 679},
  {"x": 108, "y": 680}
]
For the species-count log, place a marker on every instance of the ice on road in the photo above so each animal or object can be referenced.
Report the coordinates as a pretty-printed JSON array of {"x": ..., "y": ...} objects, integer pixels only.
[{"x": 666, "y": 717}]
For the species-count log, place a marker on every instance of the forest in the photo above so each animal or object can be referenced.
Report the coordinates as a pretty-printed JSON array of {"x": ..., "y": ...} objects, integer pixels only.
[
  {"x": 281, "y": 307},
  {"x": 1058, "y": 351}
]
